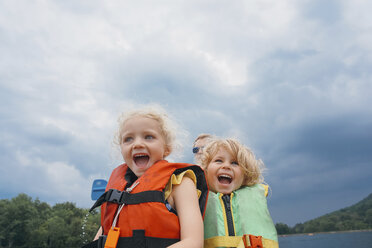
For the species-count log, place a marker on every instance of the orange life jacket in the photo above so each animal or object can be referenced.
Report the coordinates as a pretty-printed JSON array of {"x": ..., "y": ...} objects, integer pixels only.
[{"x": 145, "y": 212}]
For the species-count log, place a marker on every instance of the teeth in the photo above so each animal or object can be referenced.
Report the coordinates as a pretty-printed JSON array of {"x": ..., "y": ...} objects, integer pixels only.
[
  {"x": 140, "y": 155},
  {"x": 224, "y": 175}
]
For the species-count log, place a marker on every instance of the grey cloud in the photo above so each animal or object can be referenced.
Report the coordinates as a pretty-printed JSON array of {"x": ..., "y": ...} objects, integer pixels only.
[
  {"x": 344, "y": 140},
  {"x": 325, "y": 11}
]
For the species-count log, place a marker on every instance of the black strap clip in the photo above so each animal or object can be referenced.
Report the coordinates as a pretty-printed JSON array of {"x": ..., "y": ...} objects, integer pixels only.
[{"x": 114, "y": 196}]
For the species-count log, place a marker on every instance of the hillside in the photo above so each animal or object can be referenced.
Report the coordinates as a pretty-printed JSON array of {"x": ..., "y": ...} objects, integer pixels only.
[{"x": 355, "y": 217}]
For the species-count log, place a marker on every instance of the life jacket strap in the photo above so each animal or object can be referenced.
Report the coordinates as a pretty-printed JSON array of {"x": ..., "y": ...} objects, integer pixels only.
[
  {"x": 245, "y": 241},
  {"x": 222, "y": 241},
  {"x": 123, "y": 197},
  {"x": 138, "y": 240}
]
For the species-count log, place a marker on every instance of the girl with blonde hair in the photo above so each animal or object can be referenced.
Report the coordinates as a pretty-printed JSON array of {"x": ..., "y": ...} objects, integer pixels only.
[{"x": 237, "y": 213}]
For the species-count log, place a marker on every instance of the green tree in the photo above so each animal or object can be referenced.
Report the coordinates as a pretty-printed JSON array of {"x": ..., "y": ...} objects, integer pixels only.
[
  {"x": 298, "y": 228},
  {"x": 282, "y": 228},
  {"x": 34, "y": 224},
  {"x": 65, "y": 225},
  {"x": 38, "y": 228},
  {"x": 4, "y": 222},
  {"x": 18, "y": 216},
  {"x": 368, "y": 217},
  {"x": 91, "y": 224}
]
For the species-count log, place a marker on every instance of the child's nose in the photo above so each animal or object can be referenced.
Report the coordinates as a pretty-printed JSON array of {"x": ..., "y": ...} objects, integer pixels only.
[
  {"x": 226, "y": 165},
  {"x": 138, "y": 142}
]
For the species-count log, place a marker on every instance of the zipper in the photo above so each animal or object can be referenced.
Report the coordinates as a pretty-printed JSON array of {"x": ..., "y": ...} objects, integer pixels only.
[{"x": 229, "y": 218}]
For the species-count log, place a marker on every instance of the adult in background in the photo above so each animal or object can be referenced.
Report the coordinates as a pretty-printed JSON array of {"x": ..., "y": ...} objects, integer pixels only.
[{"x": 200, "y": 142}]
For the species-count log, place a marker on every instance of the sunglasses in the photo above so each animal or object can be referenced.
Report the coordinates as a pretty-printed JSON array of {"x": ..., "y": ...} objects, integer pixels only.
[{"x": 196, "y": 149}]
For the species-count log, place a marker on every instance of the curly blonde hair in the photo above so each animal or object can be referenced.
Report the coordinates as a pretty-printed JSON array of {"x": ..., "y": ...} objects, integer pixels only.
[
  {"x": 155, "y": 112},
  {"x": 246, "y": 159}
]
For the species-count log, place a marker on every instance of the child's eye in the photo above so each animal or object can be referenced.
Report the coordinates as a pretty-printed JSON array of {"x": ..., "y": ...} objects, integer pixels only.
[
  {"x": 235, "y": 163},
  {"x": 127, "y": 139},
  {"x": 149, "y": 137},
  {"x": 218, "y": 161}
]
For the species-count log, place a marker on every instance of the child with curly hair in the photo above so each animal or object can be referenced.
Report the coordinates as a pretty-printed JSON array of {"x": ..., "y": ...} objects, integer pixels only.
[{"x": 237, "y": 213}]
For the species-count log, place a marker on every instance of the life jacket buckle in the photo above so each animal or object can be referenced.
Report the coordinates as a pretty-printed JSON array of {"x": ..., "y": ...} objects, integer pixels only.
[
  {"x": 255, "y": 241},
  {"x": 115, "y": 196}
]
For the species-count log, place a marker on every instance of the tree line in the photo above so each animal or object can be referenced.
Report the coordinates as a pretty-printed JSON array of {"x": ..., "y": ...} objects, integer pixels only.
[
  {"x": 27, "y": 223},
  {"x": 355, "y": 217}
]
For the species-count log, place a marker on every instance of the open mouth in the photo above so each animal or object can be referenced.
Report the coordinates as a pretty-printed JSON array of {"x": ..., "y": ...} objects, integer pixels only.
[
  {"x": 224, "y": 179},
  {"x": 141, "y": 160}
]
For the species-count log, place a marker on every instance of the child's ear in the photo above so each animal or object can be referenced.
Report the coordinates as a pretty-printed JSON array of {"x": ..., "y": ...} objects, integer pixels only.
[{"x": 167, "y": 151}]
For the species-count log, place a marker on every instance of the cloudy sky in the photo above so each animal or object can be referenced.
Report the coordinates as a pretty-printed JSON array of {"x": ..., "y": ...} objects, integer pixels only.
[{"x": 290, "y": 79}]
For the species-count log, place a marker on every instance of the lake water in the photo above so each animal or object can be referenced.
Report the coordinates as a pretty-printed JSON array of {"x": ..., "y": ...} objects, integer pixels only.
[{"x": 328, "y": 240}]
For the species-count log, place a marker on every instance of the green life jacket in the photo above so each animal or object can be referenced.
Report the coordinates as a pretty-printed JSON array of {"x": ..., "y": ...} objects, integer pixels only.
[{"x": 244, "y": 211}]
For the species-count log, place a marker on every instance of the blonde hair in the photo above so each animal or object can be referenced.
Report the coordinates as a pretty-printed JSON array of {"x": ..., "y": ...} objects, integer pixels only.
[
  {"x": 154, "y": 112},
  {"x": 246, "y": 159}
]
